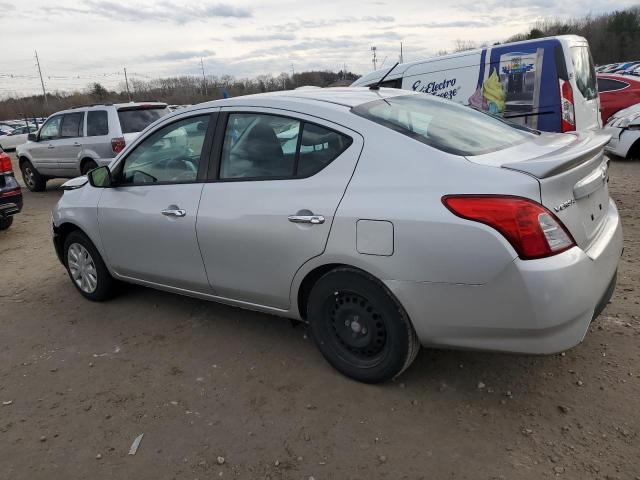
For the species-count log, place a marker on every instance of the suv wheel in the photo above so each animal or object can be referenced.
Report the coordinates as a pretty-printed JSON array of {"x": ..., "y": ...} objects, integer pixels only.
[
  {"x": 5, "y": 223},
  {"x": 87, "y": 269},
  {"x": 32, "y": 179},
  {"x": 88, "y": 166},
  {"x": 359, "y": 327}
]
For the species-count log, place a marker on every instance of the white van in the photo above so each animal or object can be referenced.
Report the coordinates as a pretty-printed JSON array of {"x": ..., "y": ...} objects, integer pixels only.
[{"x": 547, "y": 84}]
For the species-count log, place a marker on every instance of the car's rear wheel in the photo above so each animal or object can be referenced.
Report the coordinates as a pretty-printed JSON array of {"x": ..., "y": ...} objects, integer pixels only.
[
  {"x": 32, "y": 179},
  {"x": 359, "y": 327},
  {"x": 86, "y": 268},
  {"x": 87, "y": 166},
  {"x": 5, "y": 223}
]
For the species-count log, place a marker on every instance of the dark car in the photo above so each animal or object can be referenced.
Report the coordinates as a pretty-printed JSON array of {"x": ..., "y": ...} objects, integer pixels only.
[{"x": 10, "y": 192}]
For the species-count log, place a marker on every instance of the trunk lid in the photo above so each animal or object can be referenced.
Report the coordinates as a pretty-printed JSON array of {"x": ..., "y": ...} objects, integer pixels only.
[{"x": 572, "y": 171}]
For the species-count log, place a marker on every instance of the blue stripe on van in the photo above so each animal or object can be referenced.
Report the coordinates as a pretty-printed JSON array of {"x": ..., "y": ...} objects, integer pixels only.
[{"x": 483, "y": 57}]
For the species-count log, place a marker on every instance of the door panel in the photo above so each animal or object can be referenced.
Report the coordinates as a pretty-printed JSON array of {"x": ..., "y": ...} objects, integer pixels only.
[
  {"x": 148, "y": 222},
  {"x": 69, "y": 146},
  {"x": 250, "y": 247},
  {"x": 143, "y": 243},
  {"x": 43, "y": 152}
]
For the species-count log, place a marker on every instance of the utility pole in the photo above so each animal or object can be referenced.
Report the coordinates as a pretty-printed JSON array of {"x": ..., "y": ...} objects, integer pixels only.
[
  {"x": 401, "y": 55},
  {"x": 126, "y": 81},
  {"x": 44, "y": 92},
  {"x": 292, "y": 76},
  {"x": 374, "y": 49},
  {"x": 204, "y": 78}
]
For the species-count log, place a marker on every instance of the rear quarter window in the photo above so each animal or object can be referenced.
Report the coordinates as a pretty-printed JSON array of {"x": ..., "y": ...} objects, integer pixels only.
[
  {"x": 444, "y": 125},
  {"x": 134, "y": 120}
]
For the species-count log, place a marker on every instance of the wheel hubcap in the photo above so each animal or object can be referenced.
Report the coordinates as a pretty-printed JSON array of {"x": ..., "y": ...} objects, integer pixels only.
[
  {"x": 82, "y": 268},
  {"x": 357, "y": 327},
  {"x": 28, "y": 177}
]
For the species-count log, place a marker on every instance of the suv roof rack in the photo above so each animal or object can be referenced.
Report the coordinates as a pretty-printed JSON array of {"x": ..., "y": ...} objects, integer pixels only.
[{"x": 93, "y": 105}]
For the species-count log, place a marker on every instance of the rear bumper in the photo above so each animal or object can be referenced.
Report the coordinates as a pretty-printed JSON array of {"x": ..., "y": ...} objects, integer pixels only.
[
  {"x": 533, "y": 306},
  {"x": 10, "y": 206}
]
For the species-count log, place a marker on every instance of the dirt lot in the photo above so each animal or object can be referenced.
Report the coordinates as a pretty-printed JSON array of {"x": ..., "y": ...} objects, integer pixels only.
[{"x": 203, "y": 381}]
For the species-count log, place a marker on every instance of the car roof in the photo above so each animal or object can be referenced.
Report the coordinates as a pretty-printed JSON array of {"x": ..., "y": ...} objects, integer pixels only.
[{"x": 338, "y": 96}]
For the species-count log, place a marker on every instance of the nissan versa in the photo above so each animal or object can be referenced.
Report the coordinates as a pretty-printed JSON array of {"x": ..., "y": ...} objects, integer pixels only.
[{"x": 383, "y": 218}]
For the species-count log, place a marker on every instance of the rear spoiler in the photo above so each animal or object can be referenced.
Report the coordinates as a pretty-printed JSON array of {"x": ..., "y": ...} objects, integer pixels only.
[{"x": 586, "y": 146}]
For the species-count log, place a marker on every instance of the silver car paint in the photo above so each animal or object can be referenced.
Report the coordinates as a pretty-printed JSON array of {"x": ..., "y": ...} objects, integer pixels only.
[
  {"x": 243, "y": 227},
  {"x": 461, "y": 282}
]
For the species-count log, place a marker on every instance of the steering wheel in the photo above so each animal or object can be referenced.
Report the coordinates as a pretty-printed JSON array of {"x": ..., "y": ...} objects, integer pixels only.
[{"x": 182, "y": 163}]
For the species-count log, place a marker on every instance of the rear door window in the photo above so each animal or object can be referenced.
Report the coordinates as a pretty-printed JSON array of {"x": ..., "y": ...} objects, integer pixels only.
[
  {"x": 72, "y": 125},
  {"x": 585, "y": 72},
  {"x": 318, "y": 148},
  {"x": 136, "y": 119},
  {"x": 97, "y": 123},
  {"x": 263, "y": 146}
]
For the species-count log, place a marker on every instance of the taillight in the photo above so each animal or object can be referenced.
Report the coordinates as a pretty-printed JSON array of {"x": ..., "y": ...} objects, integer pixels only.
[
  {"x": 531, "y": 229},
  {"x": 117, "y": 144},
  {"x": 5, "y": 163},
  {"x": 568, "y": 111}
]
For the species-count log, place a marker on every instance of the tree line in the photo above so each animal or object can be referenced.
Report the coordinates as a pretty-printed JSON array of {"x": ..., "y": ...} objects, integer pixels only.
[{"x": 181, "y": 90}]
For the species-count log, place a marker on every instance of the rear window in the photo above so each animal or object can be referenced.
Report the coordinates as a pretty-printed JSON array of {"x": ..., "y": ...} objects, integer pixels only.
[
  {"x": 447, "y": 126},
  {"x": 133, "y": 120},
  {"x": 608, "y": 85},
  {"x": 585, "y": 72}
]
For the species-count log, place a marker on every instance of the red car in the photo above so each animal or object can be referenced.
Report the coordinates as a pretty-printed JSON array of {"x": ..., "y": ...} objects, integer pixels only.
[{"x": 617, "y": 92}]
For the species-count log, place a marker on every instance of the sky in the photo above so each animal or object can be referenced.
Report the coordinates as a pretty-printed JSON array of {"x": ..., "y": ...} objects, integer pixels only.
[{"x": 84, "y": 41}]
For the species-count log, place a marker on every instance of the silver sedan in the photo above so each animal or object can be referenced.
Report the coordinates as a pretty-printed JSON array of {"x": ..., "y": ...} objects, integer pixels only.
[{"x": 384, "y": 219}]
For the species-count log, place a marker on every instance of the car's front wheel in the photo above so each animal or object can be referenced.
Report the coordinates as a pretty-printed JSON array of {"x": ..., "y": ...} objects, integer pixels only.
[
  {"x": 88, "y": 166},
  {"x": 32, "y": 179},
  {"x": 359, "y": 327},
  {"x": 86, "y": 268},
  {"x": 5, "y": 223}
]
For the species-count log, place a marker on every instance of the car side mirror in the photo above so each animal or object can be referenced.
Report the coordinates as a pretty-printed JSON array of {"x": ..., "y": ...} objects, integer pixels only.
[
  {"x": 100, "y": 177},
  {"x": 32, "y": 137}
]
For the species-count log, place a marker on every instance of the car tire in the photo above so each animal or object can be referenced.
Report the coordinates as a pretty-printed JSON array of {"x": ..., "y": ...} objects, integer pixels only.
[
  {"x": 86, "y": 269},
  {"x": 359, "y": 327},
  {"x": 32, "y": 179},
  {"x": 5, "y": 223},
  {"x": 88, "y": 166}
]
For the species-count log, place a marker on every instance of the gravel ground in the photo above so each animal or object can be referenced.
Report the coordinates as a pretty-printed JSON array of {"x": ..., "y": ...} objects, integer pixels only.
[{"x": 224, "y": 393}]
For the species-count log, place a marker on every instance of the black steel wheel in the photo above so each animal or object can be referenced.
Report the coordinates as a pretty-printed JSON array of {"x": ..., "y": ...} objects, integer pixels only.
[{"x": 359, "y": 327}]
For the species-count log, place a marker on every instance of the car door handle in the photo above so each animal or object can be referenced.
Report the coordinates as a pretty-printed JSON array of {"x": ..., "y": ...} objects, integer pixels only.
[
  {"x": 313, "y": 219},
  {"x": 76, "y": 144},
  {"x": 51, "y": 146},
  {"x": 174, "y": 212}
]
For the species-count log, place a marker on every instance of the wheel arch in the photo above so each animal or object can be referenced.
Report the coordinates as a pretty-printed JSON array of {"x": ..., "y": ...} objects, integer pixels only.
[
  {"x": 23, "y": 158},
  {"x": 312, "y": 274},
  {"x": 86, "y": 158},
  {"x": 634, "y": 150}
]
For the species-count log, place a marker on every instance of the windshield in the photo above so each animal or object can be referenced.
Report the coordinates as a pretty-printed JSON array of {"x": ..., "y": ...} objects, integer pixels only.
[
  {"x": 442, "y": 124},
  {"x": 585, "y": 72},
  {"x": 133, "y": 120}
]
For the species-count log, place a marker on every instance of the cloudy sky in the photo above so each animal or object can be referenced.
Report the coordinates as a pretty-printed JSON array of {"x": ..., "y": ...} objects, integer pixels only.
[{"x": 81, "y": 41}]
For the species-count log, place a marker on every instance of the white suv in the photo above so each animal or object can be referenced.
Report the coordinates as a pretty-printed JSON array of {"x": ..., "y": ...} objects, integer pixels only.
[{"x": 73, "y": 142}]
